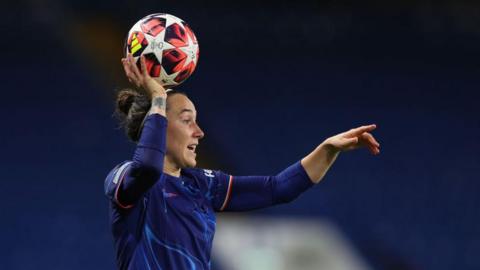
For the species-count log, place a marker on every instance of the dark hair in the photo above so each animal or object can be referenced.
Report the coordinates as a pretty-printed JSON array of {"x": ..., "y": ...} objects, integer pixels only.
[{"x": 132, "y": 107}]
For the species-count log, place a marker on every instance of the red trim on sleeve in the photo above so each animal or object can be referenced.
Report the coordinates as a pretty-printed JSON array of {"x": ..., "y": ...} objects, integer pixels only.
[
  {"x": 229, "y": 191},
  {"x": 115, "y": 197}
]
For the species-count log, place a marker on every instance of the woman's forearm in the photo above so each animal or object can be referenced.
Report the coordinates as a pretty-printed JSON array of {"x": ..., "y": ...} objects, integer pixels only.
[{"x": 317, "y": 163}]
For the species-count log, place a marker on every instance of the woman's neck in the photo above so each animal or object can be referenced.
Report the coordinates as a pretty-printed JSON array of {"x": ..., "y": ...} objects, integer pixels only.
[{"x": 171, "y": 168}]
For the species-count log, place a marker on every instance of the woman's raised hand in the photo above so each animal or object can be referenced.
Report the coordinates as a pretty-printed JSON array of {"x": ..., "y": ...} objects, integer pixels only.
[{"x": 141, "y": 78}]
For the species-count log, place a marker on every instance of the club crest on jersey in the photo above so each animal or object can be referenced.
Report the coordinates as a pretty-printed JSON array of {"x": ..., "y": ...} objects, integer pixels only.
[{"x": 208, "y": 173}]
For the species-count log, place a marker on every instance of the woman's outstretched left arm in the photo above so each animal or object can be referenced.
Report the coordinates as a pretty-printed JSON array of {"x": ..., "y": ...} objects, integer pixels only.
[{"x": 240, "y": 193}]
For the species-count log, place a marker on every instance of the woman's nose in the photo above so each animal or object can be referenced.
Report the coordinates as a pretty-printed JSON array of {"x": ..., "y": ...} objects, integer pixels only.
[{"x": 198, "y": 132}]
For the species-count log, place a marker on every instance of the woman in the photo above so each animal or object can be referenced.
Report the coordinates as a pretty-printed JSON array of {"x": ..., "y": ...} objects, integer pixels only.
[{"x": 162, "y": 208}]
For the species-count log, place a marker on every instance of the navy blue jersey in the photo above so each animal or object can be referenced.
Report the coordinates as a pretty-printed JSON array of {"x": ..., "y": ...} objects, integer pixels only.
[{"x": 161, "y": 221}]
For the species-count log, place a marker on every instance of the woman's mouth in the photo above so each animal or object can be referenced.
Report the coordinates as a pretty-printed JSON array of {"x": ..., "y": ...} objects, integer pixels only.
[{"x": 192, "y": 147}]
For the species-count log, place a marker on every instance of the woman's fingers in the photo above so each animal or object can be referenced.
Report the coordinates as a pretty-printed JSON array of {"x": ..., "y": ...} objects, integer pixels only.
[
  {"x": 143, "y": 65},
  {"x": 140, "y": 75},
  {"x": 134, "y": 75},
  {"x": 370, "y": 139},
  {"x": 359, "y": 137},
  {"x": 130, "y": 75},
  {"x": 355, "y": 132},
  {"x": 133, "y": 66},
  {"x": 126, "y": 67},
  {"x": 355, "y": 138}
]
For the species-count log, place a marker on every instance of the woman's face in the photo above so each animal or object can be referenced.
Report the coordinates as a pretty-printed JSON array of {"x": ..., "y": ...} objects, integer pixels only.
[{"x": 183, "y": 132}]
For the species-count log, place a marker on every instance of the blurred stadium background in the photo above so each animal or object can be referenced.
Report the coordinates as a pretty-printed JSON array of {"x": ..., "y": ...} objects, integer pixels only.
[{"x": 274, "y": 79}]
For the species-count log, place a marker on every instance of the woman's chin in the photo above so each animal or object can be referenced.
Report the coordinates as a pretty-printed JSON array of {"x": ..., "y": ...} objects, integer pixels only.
[{"x": 190, "y": 163}]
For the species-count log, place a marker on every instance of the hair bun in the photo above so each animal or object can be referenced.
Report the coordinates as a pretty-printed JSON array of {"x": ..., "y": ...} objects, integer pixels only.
[{"x": 125, "y": 100}]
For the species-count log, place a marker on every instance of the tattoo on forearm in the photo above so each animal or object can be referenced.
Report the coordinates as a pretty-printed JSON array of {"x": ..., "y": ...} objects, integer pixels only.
[{"x": 158, "y": 102}]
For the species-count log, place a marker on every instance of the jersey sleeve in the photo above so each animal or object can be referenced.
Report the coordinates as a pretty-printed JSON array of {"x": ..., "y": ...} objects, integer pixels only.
[
  {"x": 220, "y": 187},
  {"x": 114, "y": 181},
  {"x": 127, "y": 182},
  {"x": 241, "y": 193}
]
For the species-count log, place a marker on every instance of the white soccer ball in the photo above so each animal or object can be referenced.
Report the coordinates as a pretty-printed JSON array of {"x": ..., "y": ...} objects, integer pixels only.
[{"x": 169, "y": 46}]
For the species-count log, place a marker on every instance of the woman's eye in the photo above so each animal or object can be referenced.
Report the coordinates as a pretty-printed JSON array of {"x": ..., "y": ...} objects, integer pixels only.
[{"x": 186, "y": 121}]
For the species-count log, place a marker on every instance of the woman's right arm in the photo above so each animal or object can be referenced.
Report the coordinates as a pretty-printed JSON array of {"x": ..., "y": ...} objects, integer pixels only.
[{"x": 132, "y": 179}]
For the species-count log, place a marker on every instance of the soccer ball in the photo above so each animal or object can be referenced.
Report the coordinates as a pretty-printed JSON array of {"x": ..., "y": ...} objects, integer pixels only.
[{"x": 169, "y": 46}]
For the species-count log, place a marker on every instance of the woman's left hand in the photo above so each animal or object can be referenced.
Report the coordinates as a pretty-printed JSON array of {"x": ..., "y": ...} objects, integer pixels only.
[{"x": 353, "y": 139}]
